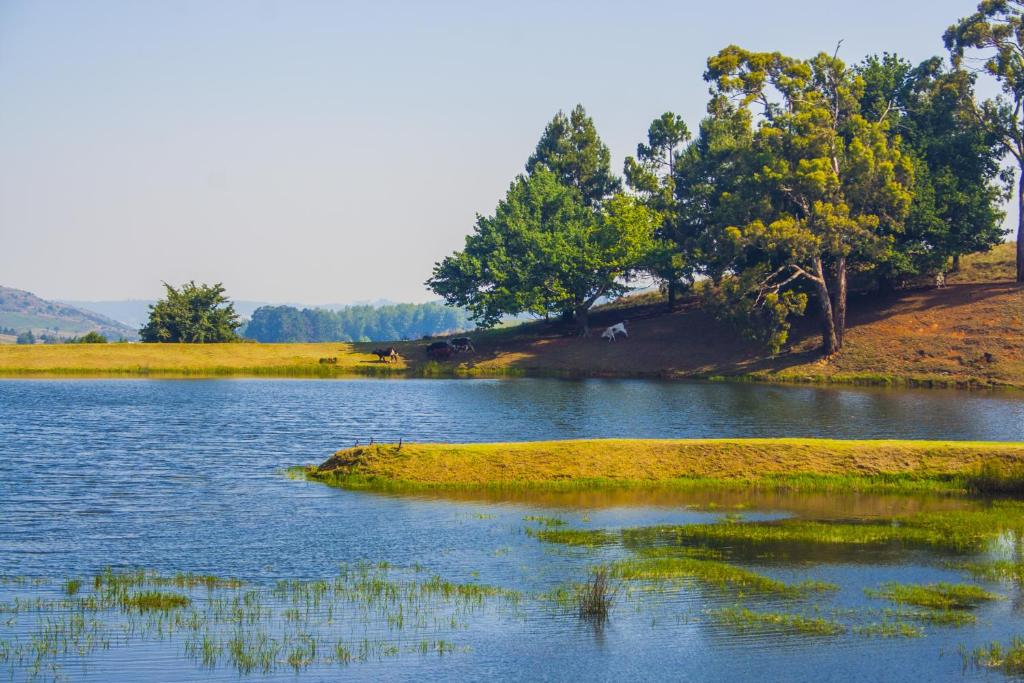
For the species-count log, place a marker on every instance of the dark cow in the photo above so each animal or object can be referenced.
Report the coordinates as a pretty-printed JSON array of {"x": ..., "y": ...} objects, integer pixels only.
[
  {"x": 386, "y": 355},
  {"x": 441, "y": 350},
  {"x": 461, "y": 344}
]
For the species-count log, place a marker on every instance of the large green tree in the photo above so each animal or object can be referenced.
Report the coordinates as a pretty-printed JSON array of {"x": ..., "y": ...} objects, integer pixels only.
[
  {"x": 651, "y": 174},
  {"x": 959, "y": 182},
  {"x": 192, "y": 314},
  {"x": 546, "y": 251},
  {"x": 996, "y": 29},
  {"x": 571, "y": 149},
  {"x": 833, "y": 186}
]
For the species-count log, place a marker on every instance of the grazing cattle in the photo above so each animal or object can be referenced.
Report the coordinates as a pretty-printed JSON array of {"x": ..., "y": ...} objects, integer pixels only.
[
  {"x": 610, "y": 332},
  {"x": 386, "y": 355},
  {"x": 441, "y": 350},
  {"x": 463, "y": 344}
]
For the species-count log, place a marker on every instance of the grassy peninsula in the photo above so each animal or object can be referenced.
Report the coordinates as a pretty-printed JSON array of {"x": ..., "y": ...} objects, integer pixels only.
[{"x": 955, "y": 466}]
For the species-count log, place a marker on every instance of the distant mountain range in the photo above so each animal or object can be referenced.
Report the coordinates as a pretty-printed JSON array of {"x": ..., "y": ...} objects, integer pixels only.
[{"x": 21, "y": 311}]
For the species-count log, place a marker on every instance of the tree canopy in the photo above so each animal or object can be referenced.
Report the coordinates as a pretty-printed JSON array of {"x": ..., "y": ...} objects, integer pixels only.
[
  {"x": 807, "y": 178},
  {"x": 835, "y": 185},
  {"x": 192, "y": 314},
  {"x": 571, "y": 149},
  {"x": 546, "y": 251},
  {"x": 996, "y": 29}
]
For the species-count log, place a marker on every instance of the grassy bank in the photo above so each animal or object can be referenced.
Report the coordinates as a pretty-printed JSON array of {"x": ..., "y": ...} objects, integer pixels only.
[
  {"x": 810, "y": 464},
  {"x": 188, "y": 360},
  {"x": 967, "y": 335}
]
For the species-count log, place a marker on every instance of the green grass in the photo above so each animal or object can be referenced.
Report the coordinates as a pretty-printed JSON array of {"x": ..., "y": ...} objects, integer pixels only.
[
  {"x": 742, "y": 619},
  {"x": 995, "y": 570},
  {"x": 935, "y": 596},
  {"x": 154, "y": 601},
  {"x": 577, "y": 537},
  {"x": 290, "y": 626},
  {"x": 950, "y": 467},
  {"x": 959, "y": 530},
  {"x": 1007, "y": 659},
  {"x": 712, "y": 573}
]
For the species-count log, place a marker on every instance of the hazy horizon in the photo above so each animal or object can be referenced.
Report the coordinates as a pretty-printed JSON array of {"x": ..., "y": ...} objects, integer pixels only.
[{"x": 334, "y": 151}]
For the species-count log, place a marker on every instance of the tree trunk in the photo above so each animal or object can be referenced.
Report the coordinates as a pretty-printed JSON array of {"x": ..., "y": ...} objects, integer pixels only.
[
  {"x": 840, "y": 301},
  {"x": 956, "y": 264},
  {"x": 582, "y": 315},
  {"x": 671, "y": 295},
  {"x": 829, "y": 342},
  {"x": 1020, "y": 227}
]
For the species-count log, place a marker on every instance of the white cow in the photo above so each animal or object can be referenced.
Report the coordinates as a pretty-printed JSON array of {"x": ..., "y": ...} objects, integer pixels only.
[{"x": 610, "y": 332}]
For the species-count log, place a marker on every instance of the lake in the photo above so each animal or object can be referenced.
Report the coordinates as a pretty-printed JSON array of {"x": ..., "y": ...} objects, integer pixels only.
[{"x": 188, "y": 476}]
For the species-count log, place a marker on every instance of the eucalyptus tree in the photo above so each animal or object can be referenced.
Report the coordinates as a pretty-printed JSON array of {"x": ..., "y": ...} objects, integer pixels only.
[
  {"x": 996, "y": 31},
  {"x": 834, "y": 185}
]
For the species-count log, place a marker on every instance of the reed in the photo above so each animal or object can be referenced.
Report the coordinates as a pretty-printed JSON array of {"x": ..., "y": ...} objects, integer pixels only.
[{"x": 595, "y": 598}]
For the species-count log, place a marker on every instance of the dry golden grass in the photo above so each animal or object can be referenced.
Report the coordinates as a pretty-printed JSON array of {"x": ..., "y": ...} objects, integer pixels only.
[
  {"x": 659, "y": 461},
  {"x": 190, "y": 359}
]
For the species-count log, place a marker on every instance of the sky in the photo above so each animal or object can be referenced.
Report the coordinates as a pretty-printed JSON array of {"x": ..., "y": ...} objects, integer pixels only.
[{"x": 319, "y": 152}]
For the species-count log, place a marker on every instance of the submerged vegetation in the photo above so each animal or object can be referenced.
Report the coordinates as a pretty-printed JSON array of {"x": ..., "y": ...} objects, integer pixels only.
[
  {"x": 367, "y": 612},
  {"x": 936, "y": 596},
  {"x": 742, "y": 619}
]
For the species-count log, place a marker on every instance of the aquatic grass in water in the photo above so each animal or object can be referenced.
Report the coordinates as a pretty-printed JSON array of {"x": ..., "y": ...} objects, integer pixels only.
[
  {"x": 594, "y": 600},
  {"x": 960, "y": 531},
  {"x": 291, "y": 625},
  {"x": 742, "y": 619},
  {"x": 546, "y": 521},
  {"x": 1008, "y": 659},
  {"x": 713, "y": 573},
  {"x": 936, "y": 596},
  {"x": 154, "y": 600},
  {"x": 576, "y": 537}
]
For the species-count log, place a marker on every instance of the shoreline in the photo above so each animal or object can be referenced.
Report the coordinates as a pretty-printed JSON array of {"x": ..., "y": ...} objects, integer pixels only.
[
  {"x": 890, "y": 466},
  {"x": 894, "y": 381}
]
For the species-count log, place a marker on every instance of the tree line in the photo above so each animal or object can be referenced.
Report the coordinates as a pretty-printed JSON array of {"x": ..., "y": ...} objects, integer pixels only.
[
  {"x": 354, "y": 323},
  {"x": 806, "y": 179}
]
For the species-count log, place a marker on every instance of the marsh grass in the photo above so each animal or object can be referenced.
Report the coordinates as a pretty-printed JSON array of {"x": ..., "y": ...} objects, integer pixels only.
[
  {"x": 590, "y": 538},
  {"x": 712, "y": 573},
  {"x": 595, "y": 598},
  {"x": 994, "y": 570},
  {"x": 957, "y": 530},
  {"x": 1009, "y": 659},
  {"x": 742, "y": 619},
  {"x": 154, "y": 601},
  {"x": 254, "y": 629},
  {"x": 890, "y": 628},
  {"x": 934, "y": 596},
  {"x": 545, "y": 521}
]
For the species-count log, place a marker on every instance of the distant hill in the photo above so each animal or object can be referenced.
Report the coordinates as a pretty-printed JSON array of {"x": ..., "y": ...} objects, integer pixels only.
[{"x": 23, "y": 311}]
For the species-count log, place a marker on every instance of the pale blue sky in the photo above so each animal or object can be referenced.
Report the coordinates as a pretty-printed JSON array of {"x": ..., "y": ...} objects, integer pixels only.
[{"x": 332, "y": 151}]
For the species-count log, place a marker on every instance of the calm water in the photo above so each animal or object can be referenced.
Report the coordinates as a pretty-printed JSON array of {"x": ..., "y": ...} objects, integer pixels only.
[{"x": 186, "y": 476}]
